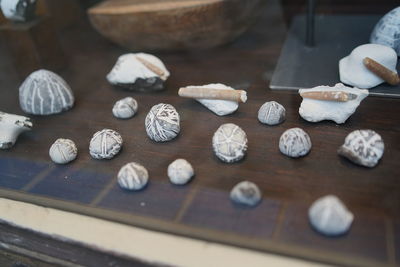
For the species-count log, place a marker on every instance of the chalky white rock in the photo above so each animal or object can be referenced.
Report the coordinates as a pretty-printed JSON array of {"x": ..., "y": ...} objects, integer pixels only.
[
  {"x": 162, "y": 123},
  {"x": 295, "y": 143},
  {"x": 105, "y": 144},
  {"x": 18, "y": 10},
  {"x": 125, "y": 108},
  {"x": 44, "y": 93},
  {"x": 353, "y": 71},
  {"x": 180, "y": 172},
  {"x": 140, "y": 72},
  {"x": 229, "y": 143},
  {"x": 63, "y": 151},
  {"x": 363, "y": 147},
  {"x": 11, "y": 126},
  {"x": 271, "y": 113},
  {"x": 133, "y": 176},
  {"x": 314, "y": 110},
  {"x": 246, "y": 193},
  {"x": 387, "y": 30},
  {"x": 329, "y": 216}
]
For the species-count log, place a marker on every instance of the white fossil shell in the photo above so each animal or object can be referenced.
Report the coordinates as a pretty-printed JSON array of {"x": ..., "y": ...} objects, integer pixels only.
[
  {"x": 313, "y": 110},
  {"x": 142, "y": 72},
  {"x": 133, "y": 176},
  {"x": 271, "y": 113},
  {"x": 43, "y": 93},
  {"x": 353, "y": 71},
  {"x": 229, "y": 143},
  {"x": 219, "y": 107},
  {"x": 105, "y": 144},
  {"x": 125, "y": 108},
  {"x": 11, "y": 126},
  {"x": 18, "y": 10},
  {"x": 387, "y": 30},
  {"x": 295, "y": 142},
  {"x": 63, "y": 151},
  {"x": 246, "y": 193},
  {"x": 329, "y": 216},
  {"x": 162, "y": 123},
  {"x": 180, "y": 172},
  {"x": 364, "y": 147}
]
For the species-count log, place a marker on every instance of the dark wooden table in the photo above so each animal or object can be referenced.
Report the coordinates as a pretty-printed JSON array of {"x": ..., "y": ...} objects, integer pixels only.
[{"x": 202, "y": 209}]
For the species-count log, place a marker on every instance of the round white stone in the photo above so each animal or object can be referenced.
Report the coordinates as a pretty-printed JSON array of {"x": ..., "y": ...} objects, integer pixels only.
[
  {"x": 271, "y": 113},
  {"x": 180, "y": 172},
  {"x": 133, "y": 176},
  {"x": 329, "y": 216},
  {"x": 295, "y": 142},
  {"x": 63, "y": 151},
  {"x": 105, "y": 144},
  {"x": 125, "y": 108},
  {"x": 229, "y": 143},
  {"x": 162, "y": 123},
  {"x": 246, "y": 193}
]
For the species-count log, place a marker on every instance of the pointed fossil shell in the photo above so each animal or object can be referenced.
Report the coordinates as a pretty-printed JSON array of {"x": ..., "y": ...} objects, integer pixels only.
[
  {"x": 363, "y": 147},
  {"x": 125, "y": 108},
  {"x": 105, "y": 144},
  {"x": 329, "y": 216},
  {"x": 63, "y": 151},
  {"x": 295, "y": 143},
  {"x": 246, "y": 193},
  {"x": 353, "y": 71},
  {"x": 387, "y": 30},
  {"x": 271, "y": 113},
  {"x": 11, "y": 126},
  {"x": 180, "y": 172},
  {"x": 229, "y": 143},
  {"x": 133, "y": 176},
  {"x": 18, "y": 10},
  {"x": 219, "y": 107},
  {"x": 162, "y": 123},
  {"x": 140, "y": 72},
  {"x": 314, "y": 110},
  {"x": 45, "y": 93}
]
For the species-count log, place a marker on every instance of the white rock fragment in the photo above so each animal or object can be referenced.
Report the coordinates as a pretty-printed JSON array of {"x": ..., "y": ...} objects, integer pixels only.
[
  {"x": 125, "y": 108},
  {"x": 63, "y": 151},
  {"x": 271, "y": 113},
  {"x": 133, "y": 176},
  {"x": 314, "y": 110},
  {"x": 387, "y": 30},
  {"x": 105, "y": 144},
  {"x": 11, "y": 126},
  {"x": 246, "y": 193},
  {"x": 219, "y": 107},
  {"x": 180, "y": 172},
  {"x": 229, "y": 143},
  {"x": 295, "y": 143},
  {"x": 329, "y": 216},
  {"x": 363, "y": 147},
  {"x": 353, "y": 71},
  {"x": 140, "y": 72},
  {"x": 162, "y": 123}
]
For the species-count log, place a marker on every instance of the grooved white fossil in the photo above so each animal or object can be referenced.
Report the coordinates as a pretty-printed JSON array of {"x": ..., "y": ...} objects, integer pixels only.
[
  {"x": 229, "y": 143},
  {"x": 133, "y": 176},
  {"x": 271, "y": 113},
  {"x": 180, "y": 172},
  {"x": 162, "y": 123},
  {"x": 387, "y": 30},
  {"x": 295, "y": 142},
  {"x": 63, "y": 151},
  {"x": 246, "y": 193},
  {"x": 105, "y": 144},
  {"x": 125, "y": 108}
]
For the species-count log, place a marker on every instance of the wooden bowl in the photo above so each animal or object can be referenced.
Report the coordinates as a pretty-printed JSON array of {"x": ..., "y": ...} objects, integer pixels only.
[{"x": 173, "y": 24}]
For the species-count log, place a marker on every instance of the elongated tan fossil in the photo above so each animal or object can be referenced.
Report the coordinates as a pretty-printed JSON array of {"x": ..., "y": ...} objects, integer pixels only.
[
  {"x": 386, "y": 74},
  {"x": 338, "y": 96},
  {"x": 210, "y": 93}
]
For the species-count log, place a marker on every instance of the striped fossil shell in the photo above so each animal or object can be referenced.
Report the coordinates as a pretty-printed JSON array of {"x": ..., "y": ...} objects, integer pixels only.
[
  {"x": 387, "y": 31},
  {"x": 162, "y": 123},
  {"x": 363, "y": 147},
  {"x": 271, "y": 113},
  {"x": 180, "y": 172},
  {"x": 11, "y": 126},
  {"x": 45, "y": 93},
  {"x": 229, "y": 143},
  {"x": 125, "y": 108},
  {"x": 295, "y": 143},
  {"x": 133, "y": 176},
  {"x": 329, "y": 216},
  {"x": 63, "y": 151},
  {"x": 105, "y": 144},
  {"x": 246, "y": 193}
]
